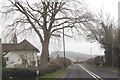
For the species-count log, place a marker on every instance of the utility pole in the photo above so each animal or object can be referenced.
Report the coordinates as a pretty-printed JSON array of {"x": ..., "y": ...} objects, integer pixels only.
[
  {"x": 91, "y": 51},
  {"x": 64, "y": 49},
  {"x": 118, "y": 35}
]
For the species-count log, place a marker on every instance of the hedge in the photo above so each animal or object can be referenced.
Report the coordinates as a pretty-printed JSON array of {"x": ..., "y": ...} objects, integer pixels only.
[
  {"x": 18, "y": 73},
  {"x": 23, "y": 73},
  {"x": 51, "y": 68}
]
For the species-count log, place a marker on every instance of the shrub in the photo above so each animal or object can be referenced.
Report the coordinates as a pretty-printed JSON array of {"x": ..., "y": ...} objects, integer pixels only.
[
  {"x": 51, "y": 68},
  {"x": 23, "y": 73},
  {"x": 3, "y": 62},
  {"x": 18, "y": 73},
  {"x": 90, "y": 61},
  {"x": 60, "y": 60}
]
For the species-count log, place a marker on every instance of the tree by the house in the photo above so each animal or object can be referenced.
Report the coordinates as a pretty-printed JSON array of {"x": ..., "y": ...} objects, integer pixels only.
[{"x": 46, "y": 19}]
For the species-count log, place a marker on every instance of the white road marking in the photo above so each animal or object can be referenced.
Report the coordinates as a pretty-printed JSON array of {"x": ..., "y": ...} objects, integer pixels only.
[{"x": 91, "y": 73}]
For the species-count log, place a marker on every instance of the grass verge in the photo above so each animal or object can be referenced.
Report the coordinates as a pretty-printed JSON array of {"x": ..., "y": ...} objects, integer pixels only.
[
  {"x": 104, "y": 67},
  {"x": 58, "y": 74},
  {"x": 19, "y": 79}
]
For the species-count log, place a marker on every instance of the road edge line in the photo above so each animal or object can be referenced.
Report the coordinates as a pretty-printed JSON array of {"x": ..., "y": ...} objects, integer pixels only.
[{"x": 91, "y": 73}]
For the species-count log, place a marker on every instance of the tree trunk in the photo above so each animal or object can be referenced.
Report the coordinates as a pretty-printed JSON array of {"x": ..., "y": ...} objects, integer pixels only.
[
  {"x": 45, "y": 52},
  {"x": 108, "y": 57}
]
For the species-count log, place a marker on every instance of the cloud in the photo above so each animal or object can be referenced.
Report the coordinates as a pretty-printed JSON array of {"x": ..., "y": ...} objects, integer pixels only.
[{"x": 84, "y": 47}]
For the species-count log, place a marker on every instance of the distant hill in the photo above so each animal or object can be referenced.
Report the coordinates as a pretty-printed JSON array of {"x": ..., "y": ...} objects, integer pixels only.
[{"x": 74, "y": 56}]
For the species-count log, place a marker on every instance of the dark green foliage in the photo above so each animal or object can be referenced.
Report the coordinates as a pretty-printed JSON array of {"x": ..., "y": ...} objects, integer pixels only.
[
  {"x": 97, "y": 61},
  {"x": 107, "y": 35},
  {"x": 18, "y": 73},
  {"x": 90, "y": 61},
  {"x": 28, "y": 73},
  {"x": 51, "y": 68},
  {"x": 60, "y": 61},
  {"x": 3, "y": 62}
]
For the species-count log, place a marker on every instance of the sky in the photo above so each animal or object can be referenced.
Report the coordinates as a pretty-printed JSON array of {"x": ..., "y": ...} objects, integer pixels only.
[
  {"x": 82, "y": 46},
  {"x": 108, "y": 6}
]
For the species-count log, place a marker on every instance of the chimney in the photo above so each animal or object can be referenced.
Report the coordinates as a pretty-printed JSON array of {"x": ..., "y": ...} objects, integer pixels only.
[{"x": 14, "y": 39}]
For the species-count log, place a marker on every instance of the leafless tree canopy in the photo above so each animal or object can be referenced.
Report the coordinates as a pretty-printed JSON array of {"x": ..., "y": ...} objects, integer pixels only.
[{"x": 46, "y": 18}]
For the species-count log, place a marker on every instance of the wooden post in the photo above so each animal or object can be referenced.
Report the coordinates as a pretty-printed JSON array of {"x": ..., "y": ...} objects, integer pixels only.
[
  {"x": 37, "y": 70},
  {"x": 37, "y": 73}
]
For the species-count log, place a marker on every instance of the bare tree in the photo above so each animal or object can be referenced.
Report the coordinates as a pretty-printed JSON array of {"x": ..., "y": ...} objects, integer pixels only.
[
  {"x": 46, "y": 18},
  {"x": 116, "y": 48},
  {"x": 103, "y": 32}
]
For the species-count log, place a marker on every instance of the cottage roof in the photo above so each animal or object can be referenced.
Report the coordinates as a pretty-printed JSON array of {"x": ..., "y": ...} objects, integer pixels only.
[{"x": 22, "y": 46}]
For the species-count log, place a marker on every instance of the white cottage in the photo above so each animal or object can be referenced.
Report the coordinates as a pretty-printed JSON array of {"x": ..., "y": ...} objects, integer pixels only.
[{"x": 22, "y": 54}]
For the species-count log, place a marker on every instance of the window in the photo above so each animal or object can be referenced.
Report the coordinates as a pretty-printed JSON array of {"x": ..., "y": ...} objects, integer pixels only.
[
  {"x": 18, "y": 59},
  {"x": 7, "y": 59}
]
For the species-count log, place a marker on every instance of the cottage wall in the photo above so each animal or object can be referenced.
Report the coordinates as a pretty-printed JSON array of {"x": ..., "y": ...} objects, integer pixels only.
[{"x": 21, "y": 59}]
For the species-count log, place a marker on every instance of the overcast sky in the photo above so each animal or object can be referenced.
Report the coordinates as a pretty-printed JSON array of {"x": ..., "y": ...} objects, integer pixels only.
[{"x": 109, "y": 6}]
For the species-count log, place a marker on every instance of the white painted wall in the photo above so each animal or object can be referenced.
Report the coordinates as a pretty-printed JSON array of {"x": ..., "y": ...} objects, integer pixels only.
[{"x": 15, "y": 59}]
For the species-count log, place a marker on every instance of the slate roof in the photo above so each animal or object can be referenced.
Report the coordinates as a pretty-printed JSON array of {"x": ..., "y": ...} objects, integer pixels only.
[{"x": 22, "y": 46}]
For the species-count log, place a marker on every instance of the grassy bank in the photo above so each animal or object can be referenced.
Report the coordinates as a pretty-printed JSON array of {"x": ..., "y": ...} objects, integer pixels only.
[
  {"x": 58, "y": 74},
  {"x": 104, "y": 67},
  {"x": 19, "y": 79}
]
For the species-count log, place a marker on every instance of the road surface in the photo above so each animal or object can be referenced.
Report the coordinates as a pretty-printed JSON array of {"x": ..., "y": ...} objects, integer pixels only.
[{"x": 84, "y": 72}]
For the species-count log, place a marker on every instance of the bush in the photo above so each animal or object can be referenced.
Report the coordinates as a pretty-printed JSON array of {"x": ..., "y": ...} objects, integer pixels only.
[
  {"x": 90, "y": 61},
  {"x": 3, "y": 62},
  {"x": 18, "y": 73},
  {"x": 23, "y": 73},
  {"x": 51, "y": 68},
  {"x": 60, "y": 60}
]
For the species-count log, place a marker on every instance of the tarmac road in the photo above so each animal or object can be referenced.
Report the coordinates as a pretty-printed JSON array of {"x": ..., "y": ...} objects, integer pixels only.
[{"x": 84, "y": 72}]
